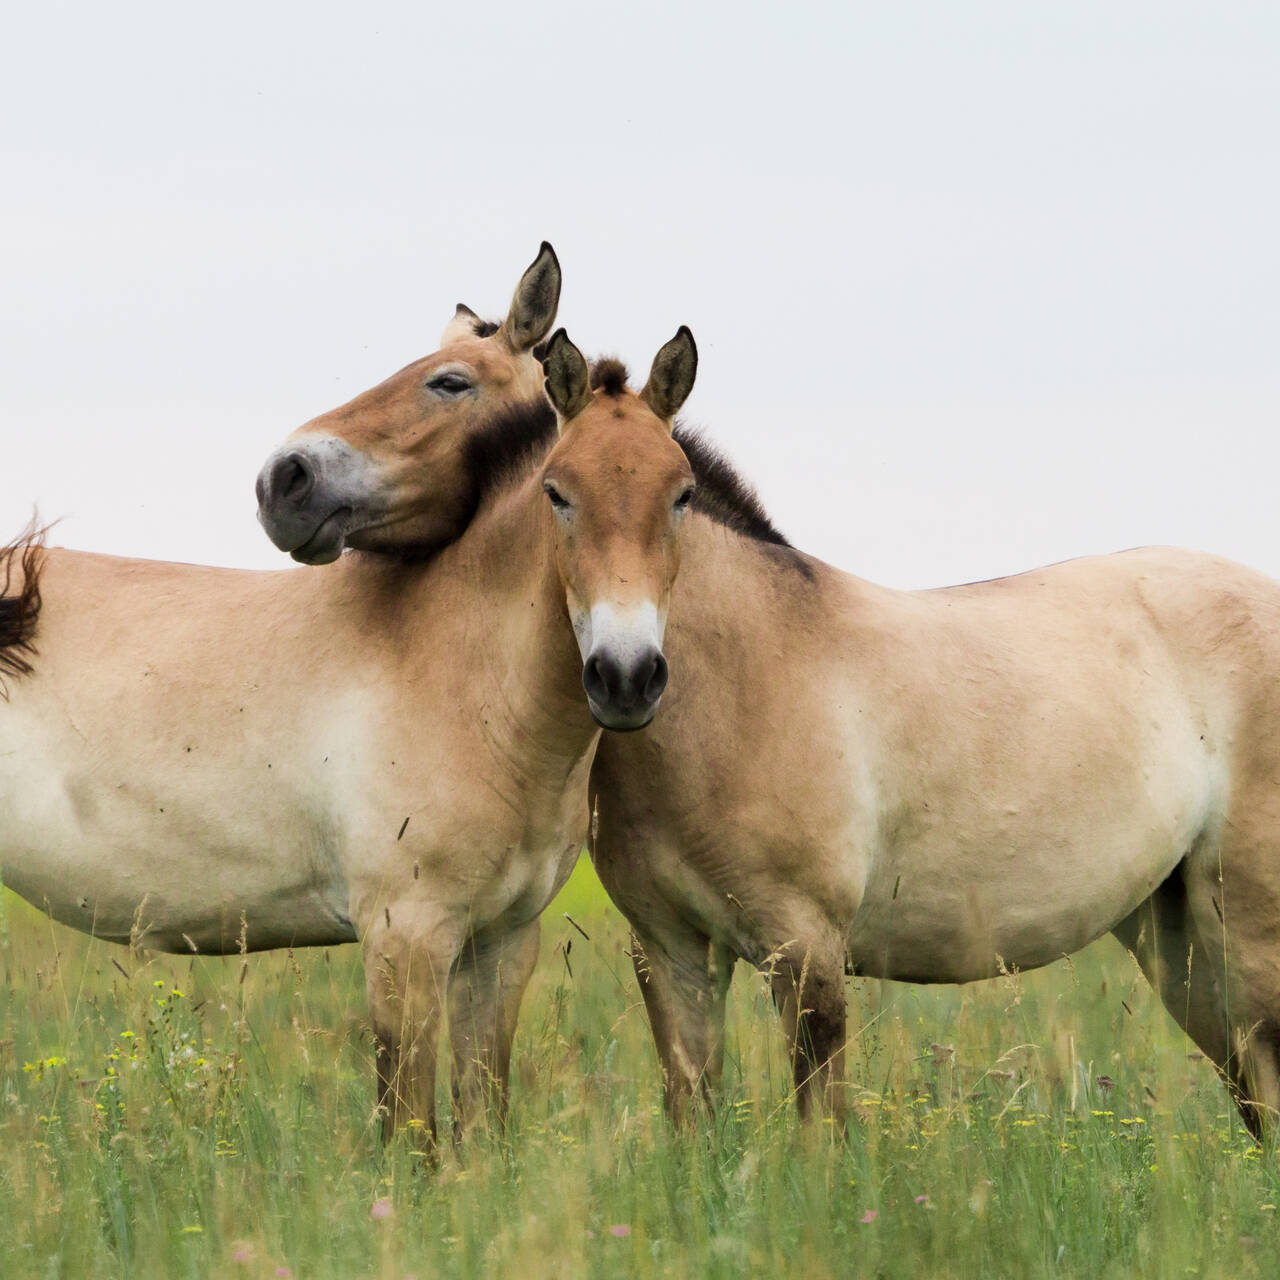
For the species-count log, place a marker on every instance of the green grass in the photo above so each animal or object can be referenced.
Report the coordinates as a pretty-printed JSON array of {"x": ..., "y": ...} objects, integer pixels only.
[{"x": 169, "y": 1117}]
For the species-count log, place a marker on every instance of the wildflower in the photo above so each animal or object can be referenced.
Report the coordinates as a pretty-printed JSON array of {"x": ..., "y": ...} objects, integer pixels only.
[
  {"x": 620, "y": 1230},
  {"x": 241, "y": 1252},
  {"x": 922, "y": 1199},
  {"x": 380, "y": 1209},
  {"x": 870, "y": 1216},
  {"x": 283, "y": 1272},
  {"x": 194, "y": 1230},
  {"x": 1106, "y": 1084}
]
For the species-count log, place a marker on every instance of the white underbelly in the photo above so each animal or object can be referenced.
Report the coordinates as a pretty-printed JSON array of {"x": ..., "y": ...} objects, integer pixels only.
[
  {"x": 201, "y": 857},
  {"x": 960, "y": 916}
]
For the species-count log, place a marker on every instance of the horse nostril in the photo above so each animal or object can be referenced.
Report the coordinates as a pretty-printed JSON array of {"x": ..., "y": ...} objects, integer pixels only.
[
  {"x": 599, "y": 679},
  {"x": 292, "y": 479},
  {"x": 656, "y": 681}
]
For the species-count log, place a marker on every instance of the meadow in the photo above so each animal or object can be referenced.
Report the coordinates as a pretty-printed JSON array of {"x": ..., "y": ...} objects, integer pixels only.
[{"x": 187, "y": 1116}]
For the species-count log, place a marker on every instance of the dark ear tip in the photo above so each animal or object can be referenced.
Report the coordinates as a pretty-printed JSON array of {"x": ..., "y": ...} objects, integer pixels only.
[
  {"x": 559, "y": 336},
  {"x": 463, "y": 310},
  {"x": 545, "y": 247}
]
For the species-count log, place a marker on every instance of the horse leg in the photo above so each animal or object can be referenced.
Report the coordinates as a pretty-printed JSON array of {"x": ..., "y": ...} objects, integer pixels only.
[
  {"x": 1205, "y": 941},
  {"x": 406, "y": 975},
  {"x": 488, "y": 984},
  {"x": 808, "y": 990},
  {"x": 684, "y": 979},
  {"x": 1184, "y": 970}
]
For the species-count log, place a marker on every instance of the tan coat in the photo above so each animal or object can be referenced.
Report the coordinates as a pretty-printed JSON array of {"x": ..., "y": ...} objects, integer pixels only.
[{"x": 939, "y": 785}]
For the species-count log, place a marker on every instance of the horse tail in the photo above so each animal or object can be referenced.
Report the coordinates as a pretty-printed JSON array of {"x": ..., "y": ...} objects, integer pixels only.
[{"x": 20, "y": 611}]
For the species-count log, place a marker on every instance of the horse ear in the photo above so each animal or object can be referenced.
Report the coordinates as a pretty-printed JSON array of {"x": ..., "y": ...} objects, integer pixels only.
[
  {"x": 462, "y": 325},
  {"x": 568, "y": 380},
  {"x": 672, "y": 375},
  {"x": 533, "y": 308}
]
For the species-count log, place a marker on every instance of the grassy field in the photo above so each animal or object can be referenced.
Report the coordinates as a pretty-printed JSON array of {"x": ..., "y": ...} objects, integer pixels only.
[{"x": 170, "y": 1117}]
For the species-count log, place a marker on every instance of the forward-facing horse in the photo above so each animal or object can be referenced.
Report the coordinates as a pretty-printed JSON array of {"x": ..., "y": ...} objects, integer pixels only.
[
  {"x": 936, "y": 786},
  {"x": 381, "y": 751}
]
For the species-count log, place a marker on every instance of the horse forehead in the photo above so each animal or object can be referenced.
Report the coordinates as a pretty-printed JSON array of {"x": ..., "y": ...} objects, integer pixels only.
[
  {"x": 624, "y": 445},
  {"x": 490, "y": 359},
  {"x": 403, "y": 391}
]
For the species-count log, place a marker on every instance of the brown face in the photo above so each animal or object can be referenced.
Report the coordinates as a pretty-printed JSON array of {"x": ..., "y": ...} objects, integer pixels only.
[
  {"x": 619, "y": 487},
  {"x": 390, "y": 470}
]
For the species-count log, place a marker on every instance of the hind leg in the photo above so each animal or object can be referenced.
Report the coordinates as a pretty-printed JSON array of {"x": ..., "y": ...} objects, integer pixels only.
[
  {"x": 1207, "y": 941},
  {"x": 1185, "y": 972}
]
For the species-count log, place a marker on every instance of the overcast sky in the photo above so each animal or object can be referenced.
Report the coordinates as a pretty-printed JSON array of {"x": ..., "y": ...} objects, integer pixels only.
[{"x": 976, "y": 286}]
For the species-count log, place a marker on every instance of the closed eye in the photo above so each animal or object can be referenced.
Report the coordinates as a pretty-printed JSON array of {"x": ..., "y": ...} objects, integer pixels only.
[
  {"x": 558, "y": 500},
  {"x": 449, "y": 384}
]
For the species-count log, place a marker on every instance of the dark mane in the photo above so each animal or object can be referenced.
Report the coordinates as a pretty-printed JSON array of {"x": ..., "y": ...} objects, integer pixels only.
[
  {"x": 19, "y": 613},
  {"x": 508, "y": 446},
  {"x": 722, "y": 494},
  {"x": 609, "y": 374},
  {"x": 502, "y": 454}
]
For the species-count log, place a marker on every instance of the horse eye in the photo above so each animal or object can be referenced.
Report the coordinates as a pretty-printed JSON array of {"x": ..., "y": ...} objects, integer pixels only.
[
  {"x": 557, "y": 499},
  {"x": 450, "y": 384},
  {"x": 682, "y": 502}
]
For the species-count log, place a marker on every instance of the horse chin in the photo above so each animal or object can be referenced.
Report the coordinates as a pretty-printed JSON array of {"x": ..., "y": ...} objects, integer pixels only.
[
  {"x": 326, "y": 543},
  {"x": 617, "y": 722}
]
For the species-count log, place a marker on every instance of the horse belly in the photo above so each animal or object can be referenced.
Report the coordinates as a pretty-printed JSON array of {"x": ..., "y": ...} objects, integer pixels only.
[
  {"x": 186, "y": 859},
  {"x": 962, "y": 904}
]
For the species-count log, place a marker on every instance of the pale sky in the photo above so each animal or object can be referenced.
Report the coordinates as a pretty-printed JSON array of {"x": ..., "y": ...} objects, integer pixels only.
[{"x": 976, "y": 286}]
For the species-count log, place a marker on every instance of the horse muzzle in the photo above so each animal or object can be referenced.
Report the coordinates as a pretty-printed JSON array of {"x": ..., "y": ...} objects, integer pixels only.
[
  {"x": 624, "y": 695},
  {"x": 312, "y": 495}
]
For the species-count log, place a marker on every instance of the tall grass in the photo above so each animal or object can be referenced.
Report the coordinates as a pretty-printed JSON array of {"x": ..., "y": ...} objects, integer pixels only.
[{"x": 171, "y": 1117}]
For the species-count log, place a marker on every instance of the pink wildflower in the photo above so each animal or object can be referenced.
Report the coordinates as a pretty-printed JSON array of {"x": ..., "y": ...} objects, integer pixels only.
[
  {"x": 871, "y": 1215},
  {"x": 620, "y": 1230},
  {"x": 241, "y": 1252},
  {"x": 380, "y": 1209}
]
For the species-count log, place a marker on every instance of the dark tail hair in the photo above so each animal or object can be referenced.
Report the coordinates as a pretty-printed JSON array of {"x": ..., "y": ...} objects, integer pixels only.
[{"x": 19, "y": 613}]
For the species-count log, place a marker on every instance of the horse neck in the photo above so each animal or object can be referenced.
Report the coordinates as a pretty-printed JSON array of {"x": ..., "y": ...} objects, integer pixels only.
[{"x": 521, "y": 672}]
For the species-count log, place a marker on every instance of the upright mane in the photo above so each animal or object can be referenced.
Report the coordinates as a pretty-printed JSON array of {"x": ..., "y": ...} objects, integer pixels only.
[
  {"x": 609, "y": 374},
  {"x": 512, "y": 443},
  {"x": 723, "y": 494},
  {"x": 19, "y": 613}
]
